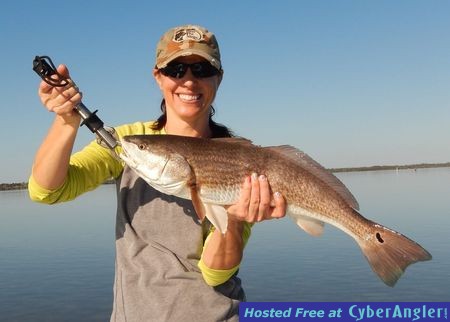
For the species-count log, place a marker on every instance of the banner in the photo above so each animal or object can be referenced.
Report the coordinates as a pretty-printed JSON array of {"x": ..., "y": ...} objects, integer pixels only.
[{"x": 344, "y": 311}]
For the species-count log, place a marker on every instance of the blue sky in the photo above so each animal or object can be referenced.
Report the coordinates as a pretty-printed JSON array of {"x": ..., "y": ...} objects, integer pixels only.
[{"x": 352, "y": 83}]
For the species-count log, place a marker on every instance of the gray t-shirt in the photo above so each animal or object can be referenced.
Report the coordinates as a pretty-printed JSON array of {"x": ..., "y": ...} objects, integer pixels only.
[{"x": 159, "y": 241}]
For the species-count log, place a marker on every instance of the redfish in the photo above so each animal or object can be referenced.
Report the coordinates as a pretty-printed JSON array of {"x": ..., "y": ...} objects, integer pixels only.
[{"x": 210, "y": 172}]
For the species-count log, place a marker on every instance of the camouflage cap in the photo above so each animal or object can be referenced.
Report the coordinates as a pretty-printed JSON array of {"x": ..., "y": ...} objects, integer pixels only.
[{"x": 185, "y": 41}]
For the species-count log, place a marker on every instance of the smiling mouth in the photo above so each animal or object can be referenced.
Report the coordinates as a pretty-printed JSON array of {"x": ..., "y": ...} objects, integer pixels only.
[{"x": 189, "y": 98}]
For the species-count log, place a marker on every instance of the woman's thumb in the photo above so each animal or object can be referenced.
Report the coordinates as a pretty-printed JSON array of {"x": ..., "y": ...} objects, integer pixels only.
[{"x": 63, "y": 70}]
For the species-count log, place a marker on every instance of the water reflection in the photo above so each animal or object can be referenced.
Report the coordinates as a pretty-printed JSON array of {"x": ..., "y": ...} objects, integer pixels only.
[
  {"x": 57, "y": 262},
  {"x": 296, "y": 267}
]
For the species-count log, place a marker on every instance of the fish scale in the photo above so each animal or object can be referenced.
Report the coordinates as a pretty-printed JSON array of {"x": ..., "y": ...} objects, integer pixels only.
[{"x": 211, "y": 172}]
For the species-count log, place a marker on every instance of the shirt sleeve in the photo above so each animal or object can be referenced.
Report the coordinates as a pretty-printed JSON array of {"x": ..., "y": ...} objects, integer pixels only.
[
  {"x": 88, "y": 169},
  {"x": 214, "y": 277}
]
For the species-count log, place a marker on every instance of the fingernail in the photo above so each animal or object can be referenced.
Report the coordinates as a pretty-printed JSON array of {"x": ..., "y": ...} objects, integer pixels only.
[
  {"x": 277, "y": 195},
  {"x": 262, "y": 178},
  {"x": 254, "y": 176}
]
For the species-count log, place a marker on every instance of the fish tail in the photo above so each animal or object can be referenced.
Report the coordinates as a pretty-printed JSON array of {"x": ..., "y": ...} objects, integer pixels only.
[{"x": 389, "y": 253}]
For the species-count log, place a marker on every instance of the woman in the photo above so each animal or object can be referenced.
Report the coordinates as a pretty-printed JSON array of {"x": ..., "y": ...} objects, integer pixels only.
[{"x": 169, "y": 265}]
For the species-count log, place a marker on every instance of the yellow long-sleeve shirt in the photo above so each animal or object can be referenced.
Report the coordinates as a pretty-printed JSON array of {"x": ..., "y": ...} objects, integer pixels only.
[{"x": 92, "y": 166}]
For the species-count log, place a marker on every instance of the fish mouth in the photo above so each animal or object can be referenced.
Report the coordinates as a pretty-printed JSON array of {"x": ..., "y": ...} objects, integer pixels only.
[
  {"x": 124, "y": 155},
  {"x": 126, "y": 158}
]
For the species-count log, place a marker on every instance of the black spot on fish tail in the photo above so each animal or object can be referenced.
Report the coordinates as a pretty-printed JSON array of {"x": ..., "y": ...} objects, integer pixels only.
[
  {"x": 389, "y": 253},
  {"x": 379, "y": 238}
]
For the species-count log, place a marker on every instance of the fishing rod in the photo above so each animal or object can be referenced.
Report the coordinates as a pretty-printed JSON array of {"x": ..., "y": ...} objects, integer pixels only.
[{"x": 45, "y": 68}]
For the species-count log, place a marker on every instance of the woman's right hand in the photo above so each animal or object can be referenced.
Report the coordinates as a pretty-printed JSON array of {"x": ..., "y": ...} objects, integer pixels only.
[
  {"x": 52, "y": 159},
  {"x": 61, "y": 100}
]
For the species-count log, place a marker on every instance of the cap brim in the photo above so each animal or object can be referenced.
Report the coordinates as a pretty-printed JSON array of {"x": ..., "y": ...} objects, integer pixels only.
[{"x": 189, "y": 52}]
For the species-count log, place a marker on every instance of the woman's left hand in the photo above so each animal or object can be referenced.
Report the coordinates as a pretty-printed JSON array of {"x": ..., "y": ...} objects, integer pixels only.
[{"x": 256, "y": 203}]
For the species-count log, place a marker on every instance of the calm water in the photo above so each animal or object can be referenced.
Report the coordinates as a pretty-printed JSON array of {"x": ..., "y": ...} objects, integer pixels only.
[{"x": 57, "y": 262}]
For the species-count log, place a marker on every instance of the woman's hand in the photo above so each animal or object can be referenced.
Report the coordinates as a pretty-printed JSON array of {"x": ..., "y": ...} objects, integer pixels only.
[
  {"x": 61, "y": 100},
  {"x": 51, "y": 163},
  {"x": 256, "y": 203}
]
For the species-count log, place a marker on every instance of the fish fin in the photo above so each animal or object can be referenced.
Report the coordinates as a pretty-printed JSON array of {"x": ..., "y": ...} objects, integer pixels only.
[
  {"x": 306, "y": 220},
  {"x": 217, "y": 215},
  {"x": 198, "y": 204},
  {"x": 317, "y": 170},
  {"x": 311, "y": 226},
  {"x": 389, "y": 253}
]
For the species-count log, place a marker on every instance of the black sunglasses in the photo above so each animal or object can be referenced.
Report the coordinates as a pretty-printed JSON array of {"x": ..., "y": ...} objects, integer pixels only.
[{"x": 199, "y": 70}]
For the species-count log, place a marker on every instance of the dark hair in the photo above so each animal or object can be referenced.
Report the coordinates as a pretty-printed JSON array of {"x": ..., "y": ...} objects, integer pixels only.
[{"x": 217, "y": 130}]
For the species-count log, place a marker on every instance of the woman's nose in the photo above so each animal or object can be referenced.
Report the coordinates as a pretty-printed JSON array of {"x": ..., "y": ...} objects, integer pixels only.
[{"x": 188, "y": 78}]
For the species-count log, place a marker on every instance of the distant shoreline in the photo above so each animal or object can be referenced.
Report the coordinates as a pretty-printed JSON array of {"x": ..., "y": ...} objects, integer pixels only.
[
  {"x": 24, "y": 185},
  {"x": 392, "y": 167}
]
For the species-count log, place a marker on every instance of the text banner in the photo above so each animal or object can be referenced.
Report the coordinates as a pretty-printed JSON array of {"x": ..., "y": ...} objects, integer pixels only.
[{"x": 344, "y": 311}]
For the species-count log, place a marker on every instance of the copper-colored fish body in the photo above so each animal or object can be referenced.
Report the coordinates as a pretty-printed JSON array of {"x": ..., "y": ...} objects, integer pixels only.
[{"x": 211, "y": 172}]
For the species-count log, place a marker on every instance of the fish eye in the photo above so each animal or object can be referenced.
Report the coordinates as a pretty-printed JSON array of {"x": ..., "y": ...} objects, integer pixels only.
[{"x": 141, "y": 146}]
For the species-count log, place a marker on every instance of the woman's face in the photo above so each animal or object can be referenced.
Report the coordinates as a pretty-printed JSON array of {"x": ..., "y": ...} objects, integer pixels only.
[{"x": 188, "y": 98}]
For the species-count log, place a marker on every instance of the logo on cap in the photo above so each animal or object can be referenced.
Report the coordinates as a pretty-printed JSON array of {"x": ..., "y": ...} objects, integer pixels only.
[{"x": 185, "y": 34}]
